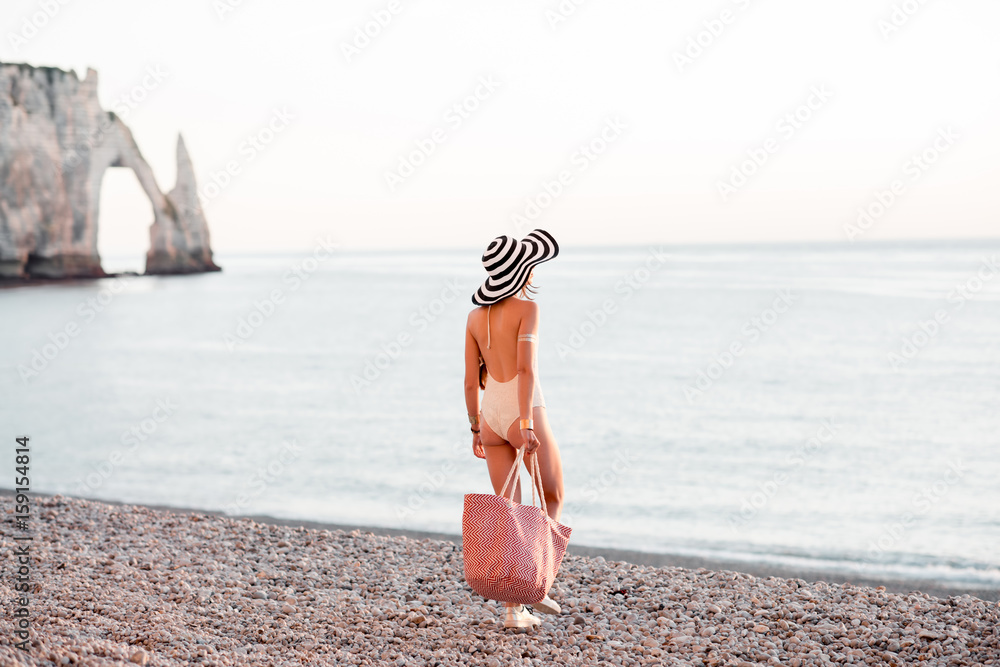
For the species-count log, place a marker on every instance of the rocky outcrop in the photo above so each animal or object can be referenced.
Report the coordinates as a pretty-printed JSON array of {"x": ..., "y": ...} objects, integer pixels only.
[
  {"x": 56, "y": 142},
  {"x": 179, "y": 244}
]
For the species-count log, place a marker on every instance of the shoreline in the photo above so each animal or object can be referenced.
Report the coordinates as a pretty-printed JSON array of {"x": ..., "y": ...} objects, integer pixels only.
[
  {"x": 27, "y": 281},
  {"x": 125, "y": 584},
  {"x": 635, "y": 557}
]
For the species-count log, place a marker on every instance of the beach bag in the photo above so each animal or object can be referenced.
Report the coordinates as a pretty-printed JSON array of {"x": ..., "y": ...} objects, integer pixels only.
[{"x": 512, "y": 552}]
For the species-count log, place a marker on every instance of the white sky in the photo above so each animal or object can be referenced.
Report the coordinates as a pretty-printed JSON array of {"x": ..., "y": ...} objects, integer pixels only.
[{"x": 657, "y": 181}]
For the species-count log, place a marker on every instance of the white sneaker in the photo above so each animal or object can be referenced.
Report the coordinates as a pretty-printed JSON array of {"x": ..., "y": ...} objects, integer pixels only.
[
  {"x": 519, "y": 617},
  {"x": 547, "y": 606}
]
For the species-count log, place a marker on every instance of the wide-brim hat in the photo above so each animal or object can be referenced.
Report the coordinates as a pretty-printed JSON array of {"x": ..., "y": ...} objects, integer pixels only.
[{"x": 509, "y": 263}]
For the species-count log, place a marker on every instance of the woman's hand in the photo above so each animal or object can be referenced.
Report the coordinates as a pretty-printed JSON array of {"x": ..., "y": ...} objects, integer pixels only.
[
  {"x": 529, "y": 440},
  {"x": 477, "y": 446}
]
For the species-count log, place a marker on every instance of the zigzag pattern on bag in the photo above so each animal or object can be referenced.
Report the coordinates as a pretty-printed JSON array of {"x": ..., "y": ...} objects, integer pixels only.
[
  {"x": 512, "y": 551},
  {"x": 512, "y": 554}
]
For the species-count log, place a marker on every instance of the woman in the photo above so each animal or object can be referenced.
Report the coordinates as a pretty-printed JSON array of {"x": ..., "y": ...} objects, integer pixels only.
[{"x": 513, "y": 410}]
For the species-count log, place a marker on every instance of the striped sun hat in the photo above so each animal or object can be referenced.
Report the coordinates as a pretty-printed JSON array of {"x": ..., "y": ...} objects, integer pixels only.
[{"x": 509, "y": 263}]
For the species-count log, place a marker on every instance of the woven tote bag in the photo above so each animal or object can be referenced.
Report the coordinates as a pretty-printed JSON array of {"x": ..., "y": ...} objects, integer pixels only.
[{"x": 512, "y": 552}]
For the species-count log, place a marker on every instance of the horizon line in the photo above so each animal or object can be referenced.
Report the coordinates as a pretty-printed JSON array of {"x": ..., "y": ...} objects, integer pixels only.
[{"x": 921, "y": 241}]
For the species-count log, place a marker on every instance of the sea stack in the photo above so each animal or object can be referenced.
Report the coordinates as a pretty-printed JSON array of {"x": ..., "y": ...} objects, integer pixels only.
[{"x": 55, "y": 144}]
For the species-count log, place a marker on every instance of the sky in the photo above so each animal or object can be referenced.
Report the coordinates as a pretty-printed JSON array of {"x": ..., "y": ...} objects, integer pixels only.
[{"x": 399, "y": 123}]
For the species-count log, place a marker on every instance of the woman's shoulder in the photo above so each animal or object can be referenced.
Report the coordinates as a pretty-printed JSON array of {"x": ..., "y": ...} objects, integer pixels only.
[{"x": 527, "y": 305}]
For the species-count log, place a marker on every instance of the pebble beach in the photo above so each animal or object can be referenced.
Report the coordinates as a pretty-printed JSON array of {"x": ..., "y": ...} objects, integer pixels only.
[{"x": 129, "y": 585}]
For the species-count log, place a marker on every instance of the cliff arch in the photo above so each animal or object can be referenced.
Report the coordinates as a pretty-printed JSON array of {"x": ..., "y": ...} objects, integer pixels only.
[
  {"x": 55, "y": 145},
  {"x": 122, "y": 235}
]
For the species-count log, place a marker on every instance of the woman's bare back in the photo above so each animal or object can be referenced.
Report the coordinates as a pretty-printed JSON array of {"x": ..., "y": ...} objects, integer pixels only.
[{"x": 498, "y": 344}]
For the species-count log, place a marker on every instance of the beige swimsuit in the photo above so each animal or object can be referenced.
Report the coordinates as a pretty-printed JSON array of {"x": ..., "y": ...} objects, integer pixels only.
[{"x": 500, "y": 408}]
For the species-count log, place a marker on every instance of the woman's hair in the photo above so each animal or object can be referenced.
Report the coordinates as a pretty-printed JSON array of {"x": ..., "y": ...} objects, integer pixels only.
[{"x": 529, "y": 290}]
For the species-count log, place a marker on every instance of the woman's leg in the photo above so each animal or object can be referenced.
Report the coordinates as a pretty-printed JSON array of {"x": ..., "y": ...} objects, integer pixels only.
[
  {"x": 499, "y": 458},
  {"x": 549, "y": 460},
  {"x": 550, "y": 471},
  {"x": 549, "y": 463}
]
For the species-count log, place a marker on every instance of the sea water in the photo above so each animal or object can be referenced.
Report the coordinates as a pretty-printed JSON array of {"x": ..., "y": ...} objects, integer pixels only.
[{"x": 821, "y": 406}]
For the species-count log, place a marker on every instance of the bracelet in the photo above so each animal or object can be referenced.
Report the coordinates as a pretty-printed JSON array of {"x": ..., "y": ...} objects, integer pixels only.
[
  {"x": 473, "y": 420},
  {"x": 473, "y": 430},
  {"x": 528, "y": 424}
]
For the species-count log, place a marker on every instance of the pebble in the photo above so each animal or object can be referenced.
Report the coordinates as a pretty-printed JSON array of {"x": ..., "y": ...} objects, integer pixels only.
[{"x": 246, "y": 593}]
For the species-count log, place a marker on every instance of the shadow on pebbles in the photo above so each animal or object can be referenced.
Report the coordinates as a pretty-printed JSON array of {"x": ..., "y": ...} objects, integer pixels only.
[{"x": 127, "y": 585}]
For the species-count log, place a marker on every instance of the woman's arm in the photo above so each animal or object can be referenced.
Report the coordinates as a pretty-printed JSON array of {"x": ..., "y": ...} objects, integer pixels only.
[
  {"x": 526, "y": 350},
  {"x": 471, "y": 373}
]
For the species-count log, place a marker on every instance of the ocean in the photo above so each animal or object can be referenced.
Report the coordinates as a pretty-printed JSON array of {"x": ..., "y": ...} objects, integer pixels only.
[{"x": 823, "y": 406}]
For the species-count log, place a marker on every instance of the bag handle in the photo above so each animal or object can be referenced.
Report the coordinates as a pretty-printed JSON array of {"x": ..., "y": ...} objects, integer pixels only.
[
  {"x": 537, "y": 477},
  {"x": 536, "y": 480},
  {"x": 510, "y": 475}
]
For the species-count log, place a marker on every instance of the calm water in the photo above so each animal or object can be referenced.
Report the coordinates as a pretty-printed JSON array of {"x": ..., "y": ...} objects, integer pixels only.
[{"x": 810, "y": 445}]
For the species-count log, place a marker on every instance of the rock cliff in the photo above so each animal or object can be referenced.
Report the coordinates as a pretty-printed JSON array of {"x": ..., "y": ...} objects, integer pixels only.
[{"x": 55, "y": 145}]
